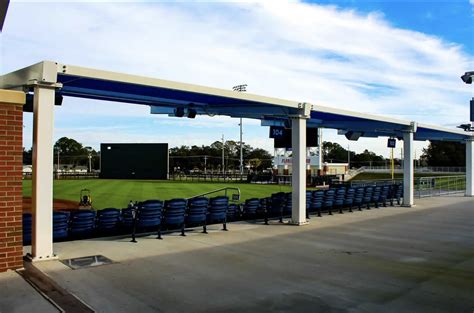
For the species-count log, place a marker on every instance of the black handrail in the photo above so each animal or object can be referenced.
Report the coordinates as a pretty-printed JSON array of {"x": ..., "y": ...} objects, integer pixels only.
[{"x": 219, "y": 190}]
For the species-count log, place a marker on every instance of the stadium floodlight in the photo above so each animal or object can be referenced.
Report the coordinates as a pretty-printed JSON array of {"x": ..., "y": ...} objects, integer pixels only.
[
  {"x": 467, "y": 77},
  {"x": 241, "y": 88}
]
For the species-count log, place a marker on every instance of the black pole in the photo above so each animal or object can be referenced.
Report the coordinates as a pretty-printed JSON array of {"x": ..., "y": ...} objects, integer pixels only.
[{"x": 134, "y": 224}]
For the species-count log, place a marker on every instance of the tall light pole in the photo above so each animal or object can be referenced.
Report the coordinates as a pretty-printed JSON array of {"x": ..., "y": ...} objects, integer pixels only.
[
  {"x": 57, "y": 166},
  {"x": 223, "y": 156},
  {"x": 241, "y": 88},
  {"x": 349, "y": 157}
]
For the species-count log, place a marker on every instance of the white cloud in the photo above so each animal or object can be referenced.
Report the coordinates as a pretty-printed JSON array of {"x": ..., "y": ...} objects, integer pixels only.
[{"x": 306, "y": 52}]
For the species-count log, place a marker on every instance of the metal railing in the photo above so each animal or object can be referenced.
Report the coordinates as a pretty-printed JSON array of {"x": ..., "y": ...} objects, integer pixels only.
[
  {"x": 235, "y": 197},
  {"x": 418, "y": 169},
  {"x": 207, "y": 177},
  {"x": 439, "y": 185},
  {"x": 374, "y": 182}
]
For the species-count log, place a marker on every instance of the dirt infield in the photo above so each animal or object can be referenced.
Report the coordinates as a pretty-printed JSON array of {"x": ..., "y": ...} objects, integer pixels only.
[{"x": 58, "y": 204}]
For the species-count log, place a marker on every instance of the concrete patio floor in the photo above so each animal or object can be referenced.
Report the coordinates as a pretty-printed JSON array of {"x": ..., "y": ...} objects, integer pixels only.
[{"x": 392, "y": 259}]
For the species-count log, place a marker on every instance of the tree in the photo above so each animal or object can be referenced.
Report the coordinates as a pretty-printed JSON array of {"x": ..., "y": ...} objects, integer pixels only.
[
  {"x": 27, "y": 156},
  {"x": 73, "y": 152},
  {"x": 334, "y": 152},
  {"x": 444, "y": 153},
  {"x": 260, "y": 159}
]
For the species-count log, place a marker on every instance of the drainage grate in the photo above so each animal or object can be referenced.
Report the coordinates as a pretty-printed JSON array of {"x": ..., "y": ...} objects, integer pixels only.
[{"x": 87, "y": 261}]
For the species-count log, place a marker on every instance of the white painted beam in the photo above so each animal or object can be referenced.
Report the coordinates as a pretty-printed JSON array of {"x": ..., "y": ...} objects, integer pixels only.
[
  {"x": 469, "y": 168},
  {"x": 298, "y": 176},
  {"x": 42, "y": 191},
  {"x": 408, "y": 170}
]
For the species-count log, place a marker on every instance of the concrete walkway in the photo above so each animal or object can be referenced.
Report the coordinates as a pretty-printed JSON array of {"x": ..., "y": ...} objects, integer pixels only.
[
  {"x": 17, "y": 296},
  {"x": 391, "y": 259}
]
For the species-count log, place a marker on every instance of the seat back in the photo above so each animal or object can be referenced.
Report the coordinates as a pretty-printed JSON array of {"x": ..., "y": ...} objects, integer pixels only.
[
  {"x": 368, "y": 194},
  {"x": 175, "y": 210},
  {"x": 329, "y": 197},
  {"x": 317, "y": 200},
  {"x": 250, "y": 207},
  {"x": 339, "y": 197},
  {"x": 233, "y": 212},
  {"x": 218, "y": 208},
  {"x": 61, "y": 225},
  {"x": 82, "y": 222},
  {"x": 277, "y": 204},
  {"x": 126, "y": 217},
  {"x": 150, "y": 214},
  {"x": 287, "y": 206},
  {"x": 108, "y": 219},
  {"x": 197, "y": 210}
]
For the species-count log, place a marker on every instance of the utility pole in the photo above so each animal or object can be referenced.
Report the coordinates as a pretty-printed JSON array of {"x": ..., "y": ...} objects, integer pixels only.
[
  {"x": 223, "y": 146},
  {"x": 241, "y": 88},
  {"x": 392, "y": 164},
  {"x": 349, "y": 157},
  {"x": 57, "y": 169},
  {"x": 205, "y": 164}
]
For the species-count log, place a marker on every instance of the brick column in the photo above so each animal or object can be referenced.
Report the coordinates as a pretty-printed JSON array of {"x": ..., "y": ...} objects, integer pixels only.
[{"x": 11, "y": 156}]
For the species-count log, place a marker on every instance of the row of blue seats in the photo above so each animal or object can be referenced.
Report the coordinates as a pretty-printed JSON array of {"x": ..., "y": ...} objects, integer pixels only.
[
  {"x": 145, "y": 216},
  {"x": 318, "y": 201},
  {"x": 179, "y": 213}
]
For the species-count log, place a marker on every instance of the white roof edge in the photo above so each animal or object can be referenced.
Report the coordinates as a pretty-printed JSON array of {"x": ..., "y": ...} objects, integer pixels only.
[
  {"x": 380, "y": 118},
  {"x": 154, "y": 82},
  {"x": 445, "y": 129},
  {"x": 46, "y": 71}
]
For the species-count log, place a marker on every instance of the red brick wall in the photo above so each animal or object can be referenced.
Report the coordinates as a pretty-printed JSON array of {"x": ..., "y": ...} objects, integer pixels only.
[{"x": 11, "y": 137}]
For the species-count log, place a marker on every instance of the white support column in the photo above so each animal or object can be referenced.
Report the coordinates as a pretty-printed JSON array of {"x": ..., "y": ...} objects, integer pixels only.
[
  {"x": 408, "y": 169},
  {"x": 42, "y": 193},
  {"x": 298, "y": 176},
  {"x": 469, "y": 167}
]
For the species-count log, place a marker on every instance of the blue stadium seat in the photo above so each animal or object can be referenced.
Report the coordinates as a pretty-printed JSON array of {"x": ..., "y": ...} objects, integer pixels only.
[
  {"x": 262, "y": 210},
  {"x": 339, "y": 199},
  {"x": 61, "y": 225},
  {"x": 82, "y": 223},
  {"x": 218, "y": 207},
  {"x": 349, "y": 198},
  {"x": 359, "y": 197},
  {"x": 368, "y": 196},
  {"x": 317, "y": 201},
  {"x": 197, "y": 212},
  {"x": 328, "y": 201},
  {"x": 309, "y": 194},
  {"x": 174, "y": 213},
  {"x": 277, "y": 205},
  {"x": 233, "y": 212},
  {"x": 150, "y": 215},
  {"x": 384, "y": 195},
  {"x": 376, "y": 195},
  {"x": 250, "y": 208},
  {"x": 108, "y": 220},
  {"x": 396, "y": 193},
  {"x": 27, "y": 228},
  {"x": 126, "y": 218}
]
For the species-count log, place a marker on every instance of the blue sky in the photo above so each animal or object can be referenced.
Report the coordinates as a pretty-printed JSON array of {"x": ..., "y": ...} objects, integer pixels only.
[{"x": 397, "y": 58}]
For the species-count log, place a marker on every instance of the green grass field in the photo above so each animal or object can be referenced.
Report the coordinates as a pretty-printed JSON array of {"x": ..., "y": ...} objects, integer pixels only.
[{"x": 117, "y": 193}]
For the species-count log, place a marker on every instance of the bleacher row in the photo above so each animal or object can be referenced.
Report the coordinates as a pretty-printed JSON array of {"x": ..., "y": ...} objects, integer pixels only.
[{"x": 157, "y": 215}]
